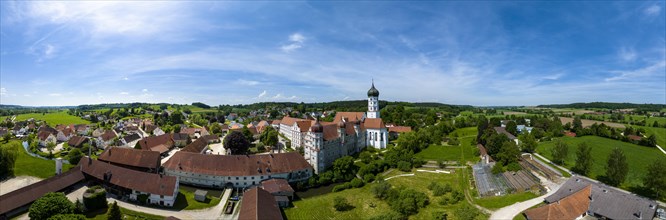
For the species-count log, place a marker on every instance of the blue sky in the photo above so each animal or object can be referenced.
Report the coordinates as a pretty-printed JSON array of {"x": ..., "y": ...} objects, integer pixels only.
[{"x": 476, "y": 53}]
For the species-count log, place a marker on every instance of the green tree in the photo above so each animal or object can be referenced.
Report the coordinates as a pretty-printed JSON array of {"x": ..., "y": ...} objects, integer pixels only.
[
  {"x": 67, "y": 217},
  {"x": 560, "y": 152},
  {"x": 216, "y": 128},
  {"x": 509, "y": 153},
  {"x": 114, "y": 212},
  {"x": 50, "y": 146},
  {"x": 236, "y": 143},
  {"x": 343, "y": 168},
  {"x": 466, "y": 212},
  {"x": 527, "y": 142},
  {"x": 512, "y": 128},
  {"x": 75, "y": 156},
  {"x": 584, "y": 159},
  {"x": 8, "y": 155},
  {"x": 577, "y": 124},
  {"x": 655, "y": 179},
  {"x": 51, "y": 204},
  {"x": 269, "y": 136},
  {"x": 381, "y": 189},
  {"x": 617, "y": 167},
  {"x": 248, "y": 134},
  {"x": 7, "y": 137}
]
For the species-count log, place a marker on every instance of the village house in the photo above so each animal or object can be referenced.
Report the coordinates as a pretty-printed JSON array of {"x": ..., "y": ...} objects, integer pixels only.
[
  {"x": 106, "y": 139},
  {"x": 45, "y": 138},
  {"x": 162, "y": 143},
  {"x": 258, "y": 204},
  {"x": 65, "y": 134},
  {"x": 280, "y": 189},
  {"x": 236, "y": 171},
  {"x": 194, "y": 132},
  {"x": 77, "y": 141},
  {"x": 130, "y": 140},
  {"x": 180, "y": 139},
  {"x": 395, "y": 131}
]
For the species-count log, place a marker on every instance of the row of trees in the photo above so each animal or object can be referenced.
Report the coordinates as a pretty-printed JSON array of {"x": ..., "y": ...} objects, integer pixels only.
[{"x": 602, "y": 130}]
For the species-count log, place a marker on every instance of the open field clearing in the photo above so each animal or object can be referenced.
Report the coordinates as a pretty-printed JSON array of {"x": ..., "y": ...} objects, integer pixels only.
[
  {"x": 52, "y": 119},
  {"x": 588, "y": 123}
]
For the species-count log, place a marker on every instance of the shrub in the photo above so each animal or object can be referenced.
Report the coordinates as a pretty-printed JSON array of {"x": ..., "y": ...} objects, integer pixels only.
[
  {"x": 369, "y": 177},
  {"x": 340, "y": 204},
  {"x": 439, "y": 189},
  {"x": 341, "y": 187},
  {"x": 381, "y": 189},
  {"x": 95, "y": 198},
  {"x": 49, "y": 205},
  {"x": 357, "y": 183},
  {"x": 439, "y": 215},
  {"x": 67, "y": 217},
  {"x": 409, "y": 201},
  {"x": 497, "y": 169},
  {"x": 513, "y": 166},
  {"x": 114, "y": 212},
  {"x": 404, "y": 166}
]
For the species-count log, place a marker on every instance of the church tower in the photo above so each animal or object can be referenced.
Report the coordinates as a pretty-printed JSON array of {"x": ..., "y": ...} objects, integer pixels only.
[{"x": 373, "y": 102}]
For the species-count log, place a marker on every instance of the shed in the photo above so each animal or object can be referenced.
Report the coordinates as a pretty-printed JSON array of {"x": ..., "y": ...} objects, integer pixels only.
[{"x": 200, "y": 195}]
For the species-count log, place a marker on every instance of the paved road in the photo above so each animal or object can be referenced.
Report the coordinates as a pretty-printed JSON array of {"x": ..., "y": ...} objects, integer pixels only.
[{"x": 509, "y": 212}]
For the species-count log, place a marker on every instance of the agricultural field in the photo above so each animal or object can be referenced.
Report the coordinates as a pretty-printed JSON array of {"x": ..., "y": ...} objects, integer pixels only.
[
  {"x": 638, "y": 157},
  {"x": 629, "y": 118},
  {"x": 27, "y": 165},
  {"x": 587, "y": 123},
  {"x": 367, "y": 206},
  {"x": 660, "y": 133},
  {"x": 52, "y": 119}
]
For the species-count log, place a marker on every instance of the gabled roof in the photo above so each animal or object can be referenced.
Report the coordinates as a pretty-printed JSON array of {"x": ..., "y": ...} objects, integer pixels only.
[
  {"x": 259, "y": 204},
  {"x": 108, "y": 135},
  {"x": 131, "y": 157},
  {"x": 131, "y": 137},
  {"x": 289, "y": 121},
  {"x": 570, "y": 207},
  {"x": 350, "y": 116},
  {"x": 502, "y": 130},
  {"x": 373, "y": 123},
  {"x": 43, "y": 135},
  {"x": 77, "y": 141},
  {"x": 276, "y": 185},
  {"x": 276, "y": 122},
  {"x": 180, "y": 136},
  {"x": 236, "y": 165},
  {"x": 131, "y": 179},
  {"x": 197, "y": 146},
  {"x": 304, "y": 125},
  {"x": 400, "y": 129},
  {"x": 32, "y": 192},
  {"x": 47, "y": 129},
  {"x": 153, "y": 141}
]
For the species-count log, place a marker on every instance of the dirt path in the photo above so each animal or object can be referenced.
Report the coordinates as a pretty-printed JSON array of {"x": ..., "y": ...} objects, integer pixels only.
[{"x": 408, "y": 174}]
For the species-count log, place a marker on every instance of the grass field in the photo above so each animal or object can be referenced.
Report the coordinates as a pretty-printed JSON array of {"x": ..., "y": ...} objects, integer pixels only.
[
  {"x": 185, "y": 200},
  {"x": 127, "y": 214},
  {"x": 660, "y": 133},
  {"x": 27, "y": 165},
  {"x": 321, "y": 207},
  {"x": 497, "y": 202},
  {"x": 453, "y": 153},
  {"x": 588, "y": 123},
  {"x": 52, "y": 119},
  {"x": 638, "y": 157}
]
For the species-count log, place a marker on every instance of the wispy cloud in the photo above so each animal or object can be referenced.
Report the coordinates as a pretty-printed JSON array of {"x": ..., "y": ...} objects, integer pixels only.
[
  {"x": 296, "y": 41},
  {"x": 3, "y": 92},
  {"x": 652, "y": 10},
  {"x": 144, "y": 90},
  {"x": 55, "y": 94},
  {"x": 262, "y": 94},
  {"x": 124, "y": 93},
  {"x": 627, "y": 54},
  {"x": 641, "y": 74}
]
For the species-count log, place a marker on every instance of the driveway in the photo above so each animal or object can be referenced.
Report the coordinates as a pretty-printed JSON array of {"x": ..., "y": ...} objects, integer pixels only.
[
  {"x": 208, "y": 213},
  {"x": 509, "y": 212}
]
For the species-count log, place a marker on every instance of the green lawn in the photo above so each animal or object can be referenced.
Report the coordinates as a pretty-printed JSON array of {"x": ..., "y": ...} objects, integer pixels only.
[
  {"x": 638, "y": 157},
  {"x": 660, "y": 133},
  {"x": 450, "y": 153},
  {"x": 52, "y": 119},
  {"x": 27, "y": 165},
  {"x": 464, "y": 132},
  {"x": 497, "y": 202},
  {"x": 127, "y": 214},
  {"x": 185, "y": 200},
  {"x": 321, "y": 207}
]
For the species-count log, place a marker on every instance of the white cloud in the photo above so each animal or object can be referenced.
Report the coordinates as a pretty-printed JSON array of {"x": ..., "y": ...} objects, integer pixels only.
[
  {"x": 554, "y": 76},
  {"x": 247, "y": 82},
  {"x": 262, "y": 94},
  {"x": 144, "y": 90},
  {"x": 278, "y": 96},
  {"x": 652, "y": 10},
  {"x": 627, "y": 54},
  {"x": 124, "y": 93},
  {"x": 640, "y": 74},
  {"x": 55, "y": 94},
  {"x": 3, "y": 92},
  {"x": 125, "y": 78},
  {"x": 296, "y": 41}
]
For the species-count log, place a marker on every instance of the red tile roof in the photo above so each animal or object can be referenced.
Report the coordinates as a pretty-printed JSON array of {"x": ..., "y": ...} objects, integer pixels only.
[
  {"x": 350, "y": 116},
  {"x": 374, "y": 123},
  {"x": 276, "y": 185},
  {"x": 196, "y": 146},
  {"x": 154, "y": 141},
  {"x": 568, "y": 208},
  {"x": 131, "y": 157},
  {"x": 43, "y": 135},
  {"x": 286, "y": 120},
  {"x": 634, "y": 137},
  {"x": 130, "y": 179},
  {"x": 400, "y": 129},
  {"x": 77, "y": 141},
  {"x": 259, "y": 204},
  {"x": 108, "y": 135},
  {"x": 236, "y": 165}
]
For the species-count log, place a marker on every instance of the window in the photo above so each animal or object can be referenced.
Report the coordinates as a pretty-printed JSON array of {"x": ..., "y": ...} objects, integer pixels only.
[
  {"x": 252, "y": 177},
  {"x": 244, "y": 178},
  {"x": 236, "y": 178}
]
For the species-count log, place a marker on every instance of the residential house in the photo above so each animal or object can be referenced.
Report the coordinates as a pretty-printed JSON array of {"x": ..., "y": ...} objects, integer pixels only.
[
  {"x": 82, "y": 129},
  {"x": 78, "y": 141},
  {"x": 161, "y": 143},
  {"x": 200, "y": 145},
  {"x": 106, "y": 139},
  {"x": 158, "y": 131},
  {"x": 180, "y": 139},
  {"x": 130, "y": 140},
  {"x": 45, "y": 138},
  {"x": 195, "y": 132},
  {"x": 502, "y": 130},
  {"x": 98, "y": 132},
  {"x": 395, "y": 131},
  {"x": 280, "y": 189},
  {"x": 65, "y": 134}
]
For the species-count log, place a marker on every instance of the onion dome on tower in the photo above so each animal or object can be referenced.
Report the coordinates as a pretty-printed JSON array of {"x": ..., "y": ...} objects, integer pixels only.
[{"x": 373, "y": 92}]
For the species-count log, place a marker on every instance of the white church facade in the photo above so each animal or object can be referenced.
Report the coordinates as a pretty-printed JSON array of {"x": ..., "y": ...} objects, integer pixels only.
[{"x": 350, "y": 132}]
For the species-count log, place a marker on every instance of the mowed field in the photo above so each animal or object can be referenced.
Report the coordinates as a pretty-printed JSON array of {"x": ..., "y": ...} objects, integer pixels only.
[
  {"x": 638, "y": 157},
  {"x": 660, "y": 133},
  {"x": 367, "y": 206},
  {"x": 587, "y": 123},
  {"x": 52, "y": 119},
  {"x": 453, "y": 153}
]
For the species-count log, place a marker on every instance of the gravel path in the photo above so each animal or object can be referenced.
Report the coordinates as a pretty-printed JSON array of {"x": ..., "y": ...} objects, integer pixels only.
[
  {"x": 409, "y": 174},
  {"x": 15, "y": 183}
]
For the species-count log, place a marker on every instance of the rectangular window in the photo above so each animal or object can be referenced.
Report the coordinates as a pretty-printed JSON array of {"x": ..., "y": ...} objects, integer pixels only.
[
  {"x": 244, "y": 178},
  {"x": 236, "y": 178}
]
